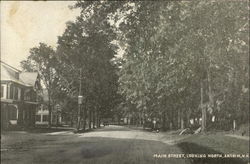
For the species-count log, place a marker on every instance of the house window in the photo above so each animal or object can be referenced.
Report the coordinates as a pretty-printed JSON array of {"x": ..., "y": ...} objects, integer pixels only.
[
  {"x": 13, "y": 113},
  {"x": 45, "y": 118},
  {"x": 11, "y": 92},
  {"x": 2, "y": 91},
  {"x": 27, "y": 95},
  {"x": 38, "y": 118},
  {"x": 37, "y": 110},
  {"x": 17, "y": 75},
  {"x": 19, "y": 93},
  {"x": 41, "y": 107},
  {"x": 32, "y": 96},
  {"x": 15, "y": 93}
]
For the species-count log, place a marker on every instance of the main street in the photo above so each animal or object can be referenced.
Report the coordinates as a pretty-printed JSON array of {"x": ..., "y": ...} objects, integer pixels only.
[
  {"x": 112, "y": 144},
  {"x": 107, "y": 145}
]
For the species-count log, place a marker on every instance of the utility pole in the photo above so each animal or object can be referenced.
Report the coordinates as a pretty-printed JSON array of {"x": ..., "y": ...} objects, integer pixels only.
[{"x": 79, "y": 101}]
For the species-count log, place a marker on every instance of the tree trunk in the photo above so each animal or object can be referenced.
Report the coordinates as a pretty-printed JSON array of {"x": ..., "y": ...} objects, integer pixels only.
[
  {"x": 90, "y": 117},
  {"x": 171, "y": 117},
  {"x": 96, "y": 116},
  {"x": 140, "y": 119},
  {"x": 187, "y": 121},
  {"x": 72, "y": 120},
  {"x": 49, "y": 108},
  {"x": 170, "y": 125},
  {"x": 210, "y": 93},
  {"x": 179, "y": 118},
  {"x": 98, "y": 119},
  {"x": 84, "y": 118},
  {"x": 164, "y": 121},
  {"x": 94, "y": 119},
  {"x": 182, "y": 122},
  {"x": 78, "y": 117},
  {"x": 203, "y": 110},
  {"x": 175, "y": 119}
]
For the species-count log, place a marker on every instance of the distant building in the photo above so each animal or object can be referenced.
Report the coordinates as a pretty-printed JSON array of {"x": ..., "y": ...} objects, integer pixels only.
[
  {"x": 19, "y": 96},
  {"x": 42, "y": 113}
]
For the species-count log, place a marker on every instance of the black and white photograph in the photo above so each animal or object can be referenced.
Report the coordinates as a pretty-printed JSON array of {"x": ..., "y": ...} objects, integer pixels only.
[{"x": 125, "y": 82}]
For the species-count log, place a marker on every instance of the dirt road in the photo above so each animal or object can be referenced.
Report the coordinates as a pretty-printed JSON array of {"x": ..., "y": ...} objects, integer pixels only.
[{"x": 109, "y": 145}]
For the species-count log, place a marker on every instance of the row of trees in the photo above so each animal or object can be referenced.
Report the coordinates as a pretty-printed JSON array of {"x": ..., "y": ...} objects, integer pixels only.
[
  {"x": 81, "y": 64},
  {"x": 187, "y": 60},
  {"x": 181, "y": 61}
]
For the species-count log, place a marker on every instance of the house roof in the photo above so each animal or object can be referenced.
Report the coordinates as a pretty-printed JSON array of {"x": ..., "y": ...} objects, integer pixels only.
[
  {"x": 11, "y": 67},
  {"x": 9, "y": 73},
  {"x": 29, "y": 78}
]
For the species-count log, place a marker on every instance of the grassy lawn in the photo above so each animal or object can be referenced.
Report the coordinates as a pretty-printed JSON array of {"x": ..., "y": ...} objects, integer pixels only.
[
  {"x": 215, "y": 144},
  {"x": 221, "y": 143}
]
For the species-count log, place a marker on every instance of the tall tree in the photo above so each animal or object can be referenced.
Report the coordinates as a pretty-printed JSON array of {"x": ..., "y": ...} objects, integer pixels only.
[
  {"x": 90, "y": 49},
  {"x": 42, "y": 59},
  {"x": 184, "y": 44}
]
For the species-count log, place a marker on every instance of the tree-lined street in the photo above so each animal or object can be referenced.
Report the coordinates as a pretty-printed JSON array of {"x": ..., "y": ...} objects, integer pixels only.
[
  {"x": 135, "y": 82},
  {"x": 110, "y": 145},
  {"x": 167, "y": 61}
]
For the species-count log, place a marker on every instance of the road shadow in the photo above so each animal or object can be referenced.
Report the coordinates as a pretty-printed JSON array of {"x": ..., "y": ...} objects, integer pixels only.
[
  {"x": 36, "y": 130},
  {"x": 48, "y": 130},
  {"x": 91, "y": 150},
  {"x": 192, "y": 148},
  {"x": 112, "y": 128}
]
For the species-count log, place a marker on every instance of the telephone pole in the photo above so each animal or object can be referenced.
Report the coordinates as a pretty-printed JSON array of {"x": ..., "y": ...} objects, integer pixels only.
[{"x": 79, "y": 101}]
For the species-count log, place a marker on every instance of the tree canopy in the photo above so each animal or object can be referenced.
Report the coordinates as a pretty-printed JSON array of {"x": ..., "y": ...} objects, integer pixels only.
[{"x": 181, "y": 60}]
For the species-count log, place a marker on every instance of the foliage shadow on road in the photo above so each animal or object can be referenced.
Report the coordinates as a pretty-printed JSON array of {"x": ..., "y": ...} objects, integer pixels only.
[
  {"x": 37, "y": 130},
  {"x": 125, "y": 150},
  {"x": 192, "y": 148},
  {"x": 111, "y": 129},
  {"x": 48, "y": 130}
]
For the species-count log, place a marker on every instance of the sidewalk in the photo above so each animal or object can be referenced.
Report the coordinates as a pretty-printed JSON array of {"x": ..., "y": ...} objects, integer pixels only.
[
  {"x": 212, "y": 142},
  {"x": 238, "y": 136}
]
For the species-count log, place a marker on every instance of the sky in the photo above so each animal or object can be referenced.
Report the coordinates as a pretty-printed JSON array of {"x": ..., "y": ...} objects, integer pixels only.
[{"x": 26, "y": 23}]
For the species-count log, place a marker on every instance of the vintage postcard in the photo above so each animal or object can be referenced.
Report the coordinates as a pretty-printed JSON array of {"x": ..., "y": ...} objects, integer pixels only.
[{"x": 125, "y": 82}]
